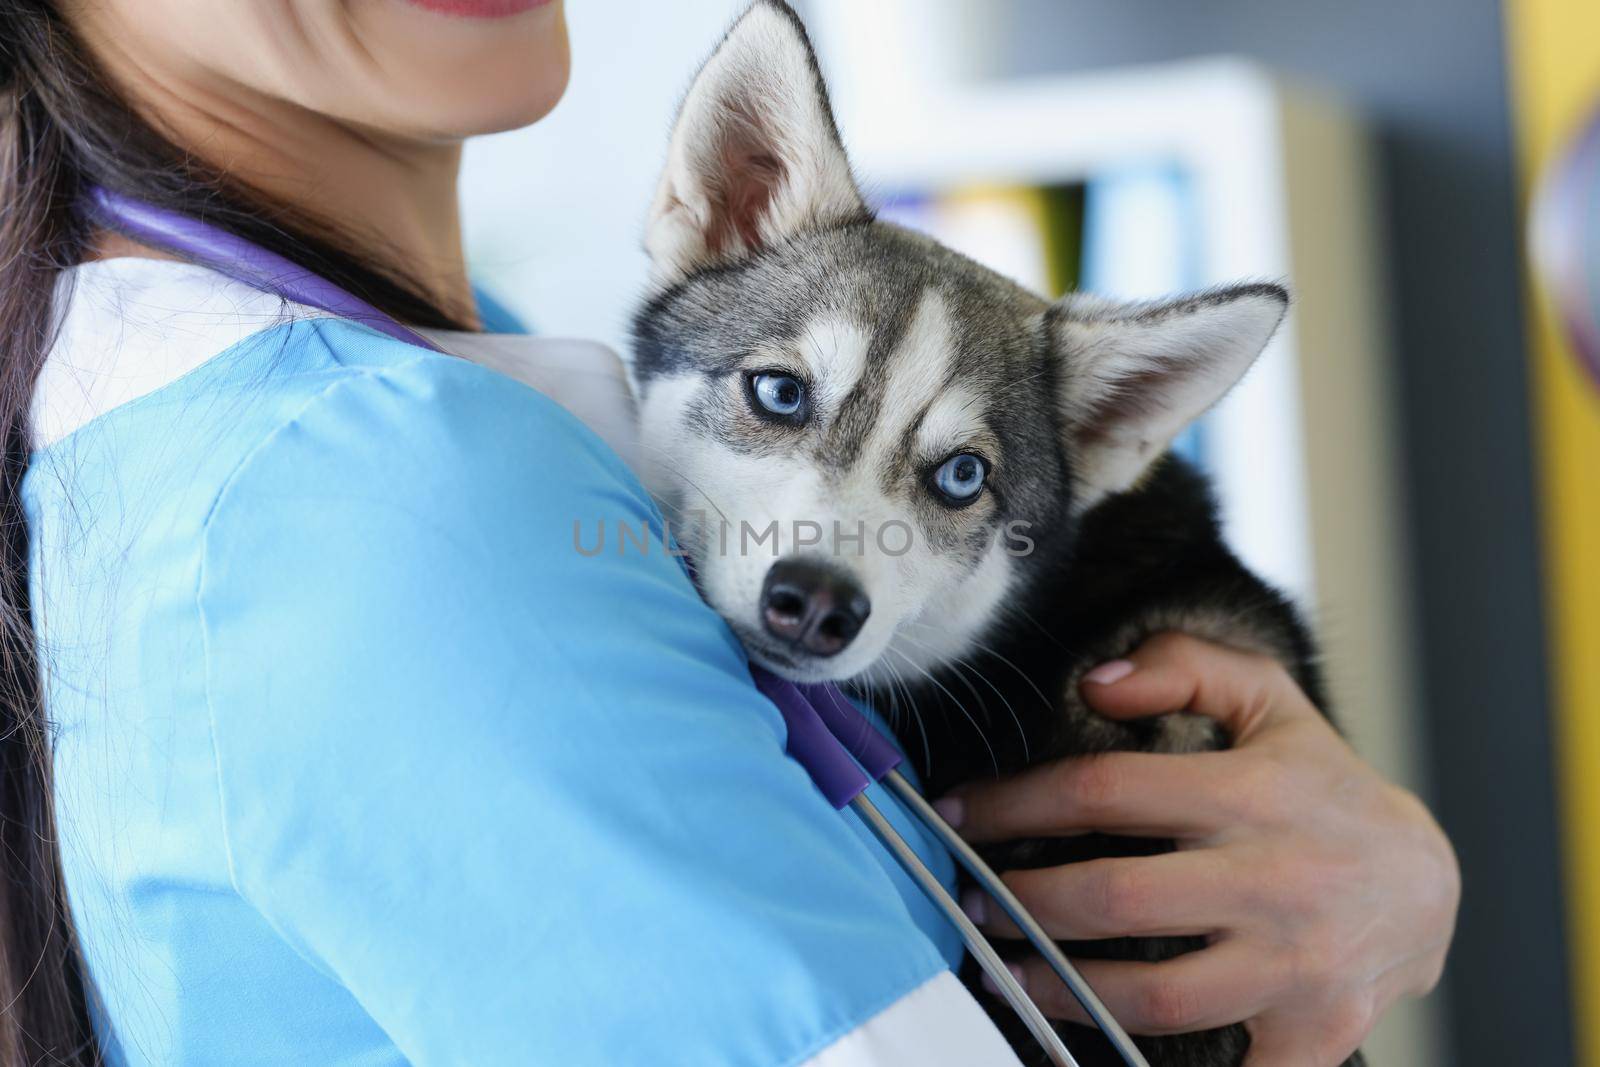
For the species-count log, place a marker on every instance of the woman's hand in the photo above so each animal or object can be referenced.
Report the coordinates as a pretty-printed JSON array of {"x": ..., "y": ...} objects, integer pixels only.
[{"x": 1326, "y": 892}]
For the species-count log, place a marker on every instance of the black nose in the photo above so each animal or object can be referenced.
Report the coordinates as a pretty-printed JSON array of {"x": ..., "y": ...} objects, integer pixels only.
[{"x": 813, "y": 606}]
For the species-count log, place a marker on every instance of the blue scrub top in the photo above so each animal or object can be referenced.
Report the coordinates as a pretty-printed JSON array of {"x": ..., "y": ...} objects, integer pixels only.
[{"x": 361, "y": 762}]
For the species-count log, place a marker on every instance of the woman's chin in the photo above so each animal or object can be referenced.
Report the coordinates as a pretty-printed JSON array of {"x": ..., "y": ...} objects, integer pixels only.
[
  {"x": 462, "y": 83},
  {"x": 516, "y": 96}
]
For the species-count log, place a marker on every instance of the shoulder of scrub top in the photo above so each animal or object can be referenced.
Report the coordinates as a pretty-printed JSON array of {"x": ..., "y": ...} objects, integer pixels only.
[{"x": 482, "y": 777}]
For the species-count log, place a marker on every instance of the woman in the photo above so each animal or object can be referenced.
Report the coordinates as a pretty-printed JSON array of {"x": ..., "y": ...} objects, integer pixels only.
[{"x": 354, "y": 760}]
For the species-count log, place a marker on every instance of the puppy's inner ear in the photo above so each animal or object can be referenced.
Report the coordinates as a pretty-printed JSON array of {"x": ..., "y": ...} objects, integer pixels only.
[
  {"x": 740, "y": 189},
  {"x": 1134, "y": 375},
  {"x": 754, "y": 157}
]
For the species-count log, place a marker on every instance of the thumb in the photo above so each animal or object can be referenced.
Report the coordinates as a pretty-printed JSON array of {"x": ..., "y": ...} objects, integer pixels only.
[{"x": 1173, "y": 672}]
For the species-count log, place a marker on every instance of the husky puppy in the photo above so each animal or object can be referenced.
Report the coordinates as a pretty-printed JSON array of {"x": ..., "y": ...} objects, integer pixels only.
[{"x": 896, "y": 469}]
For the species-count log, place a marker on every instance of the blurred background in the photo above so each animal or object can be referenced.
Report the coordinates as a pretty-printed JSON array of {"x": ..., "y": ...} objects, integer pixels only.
[{"x": 1417, "y": 459}]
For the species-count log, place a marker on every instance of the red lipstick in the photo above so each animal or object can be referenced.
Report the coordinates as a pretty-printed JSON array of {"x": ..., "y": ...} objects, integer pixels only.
[{"x": 478, "y": 9}]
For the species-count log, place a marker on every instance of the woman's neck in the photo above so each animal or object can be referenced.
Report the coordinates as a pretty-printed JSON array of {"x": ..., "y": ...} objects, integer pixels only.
[{"x": 398, "y": 198}]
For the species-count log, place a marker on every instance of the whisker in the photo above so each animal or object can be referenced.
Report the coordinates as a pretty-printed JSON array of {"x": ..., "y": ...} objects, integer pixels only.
[
  {"x": 960, "y": 666},
  {"x": 940, "y": 686},
  {"x": 991, "y": 652},
  {"x": 1042, "y": 628},
  {"x": 677, "y": 472},
  {"x": 898, "y": 686}
]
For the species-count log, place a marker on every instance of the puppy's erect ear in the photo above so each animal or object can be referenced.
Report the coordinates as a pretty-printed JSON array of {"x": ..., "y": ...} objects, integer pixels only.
[
  {"x": 1134, "y": 375},
  {"x": 755, "y": 157}
]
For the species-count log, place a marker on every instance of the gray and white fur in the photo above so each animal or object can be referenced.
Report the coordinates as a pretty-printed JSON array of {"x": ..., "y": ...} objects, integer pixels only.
[{"x": 813, "y": 382}]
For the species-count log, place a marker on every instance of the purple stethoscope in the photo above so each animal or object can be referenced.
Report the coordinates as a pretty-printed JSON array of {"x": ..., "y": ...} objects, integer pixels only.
[{"x": 827, "y": 734}]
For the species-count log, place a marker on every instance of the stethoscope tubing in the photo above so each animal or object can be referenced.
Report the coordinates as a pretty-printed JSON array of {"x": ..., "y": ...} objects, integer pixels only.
[
  {"x": 1036, "y": 935},
  {"x": 982, "y": 951}
]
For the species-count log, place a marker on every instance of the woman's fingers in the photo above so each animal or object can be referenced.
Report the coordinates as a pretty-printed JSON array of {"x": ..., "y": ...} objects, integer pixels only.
[
  {"x": 1174, "y": 672},
  {"x": 1173, "y": 894},
  {"x": 1216, "y": 986},
  {"x": 1136, "y": 793},
  {"x": 1330, "y": 892}
]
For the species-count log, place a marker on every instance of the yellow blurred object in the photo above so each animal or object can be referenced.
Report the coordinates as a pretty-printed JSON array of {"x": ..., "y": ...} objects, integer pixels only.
[{"x": 1555, "y": 81}]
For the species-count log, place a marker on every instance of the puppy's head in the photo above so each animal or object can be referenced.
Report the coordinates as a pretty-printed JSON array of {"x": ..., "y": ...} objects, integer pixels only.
[{"x": 862, "y": 438}]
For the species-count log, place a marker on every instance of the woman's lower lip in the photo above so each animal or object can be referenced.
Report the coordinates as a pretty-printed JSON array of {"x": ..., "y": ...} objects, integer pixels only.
[{"x": 478, "y": 9}]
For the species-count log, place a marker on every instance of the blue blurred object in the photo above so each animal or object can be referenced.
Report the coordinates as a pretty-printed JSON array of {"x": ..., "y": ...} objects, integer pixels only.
[
  {"x": 1566, "y": 242},
  {"x": 1141, "y": 240}
]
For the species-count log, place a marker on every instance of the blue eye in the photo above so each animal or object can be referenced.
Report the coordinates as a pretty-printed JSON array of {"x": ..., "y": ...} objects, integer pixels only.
[
  {"x": 778, "y": 394},
  {"x": 960, "y": 477}
]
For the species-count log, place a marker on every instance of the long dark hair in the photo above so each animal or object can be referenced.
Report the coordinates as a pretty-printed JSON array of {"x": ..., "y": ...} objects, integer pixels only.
[{"x": 63, "y": 129}]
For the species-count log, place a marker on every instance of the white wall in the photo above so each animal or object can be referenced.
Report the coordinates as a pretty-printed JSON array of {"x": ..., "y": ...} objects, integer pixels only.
[{"x": 553, "y": 212}]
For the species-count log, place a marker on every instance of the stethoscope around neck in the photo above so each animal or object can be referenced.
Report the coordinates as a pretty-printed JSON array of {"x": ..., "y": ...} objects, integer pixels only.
[{"x": 827, "y": 734}]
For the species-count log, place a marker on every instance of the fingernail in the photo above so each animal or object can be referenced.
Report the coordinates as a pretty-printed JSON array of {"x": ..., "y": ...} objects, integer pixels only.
[
  {"x": 975, "y": 905},
  {"x": 951, "y": 809},
  {"x": 1107, "y": 673},
  {"x": 1016, "y": 972}
]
